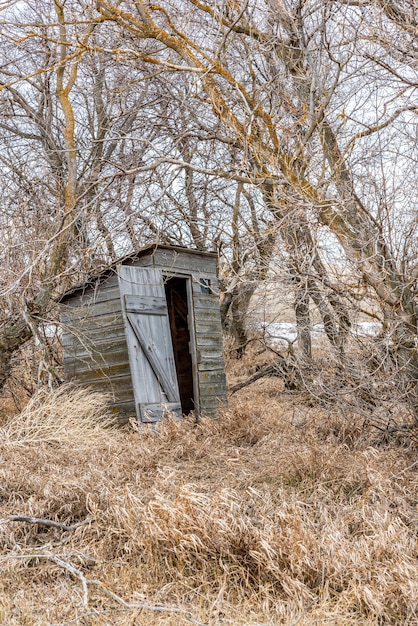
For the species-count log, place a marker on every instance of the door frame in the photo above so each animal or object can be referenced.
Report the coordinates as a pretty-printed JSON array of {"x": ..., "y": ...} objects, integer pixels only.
[{"x": 192, "y": 331}]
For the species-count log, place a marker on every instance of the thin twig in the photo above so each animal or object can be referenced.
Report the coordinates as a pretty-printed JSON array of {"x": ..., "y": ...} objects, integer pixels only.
[
  {"x": 44, "y": 522},
  {"x": 75, "y": 572},
  {"x": 37, "y": 555},
  {"x": 406, "y": 469}
]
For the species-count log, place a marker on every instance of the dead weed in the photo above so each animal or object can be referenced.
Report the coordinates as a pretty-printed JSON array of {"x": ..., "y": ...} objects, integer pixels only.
[{"x": 254, "y": 517}]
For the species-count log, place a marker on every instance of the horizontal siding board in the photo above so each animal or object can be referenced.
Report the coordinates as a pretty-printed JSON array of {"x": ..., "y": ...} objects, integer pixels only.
[
  {"x": 173, "y": 260},
  {"x": 211, "y": 361},
  {"x": 207, "y": 301},
  {"x": 79, "y": 365},
  {"x": 205, "y": 342},
  {"x": 212, "y": 389},
  {"x": 209, "y": 409},
  {"x": 208, "y": 341},
  {"x": 125, "y": 408},
  {"x": 125, "y": 395},
  {"x": 96, "y": 350},
  {"x": 209, "y": 405},
  {"x": 84, "y": 326},
  {"x": 116, "y": 385},
  {"x": 95, "y": 290},
  {"x": 204, "y": 337},
  {"x": 202, "y": 332},
  {"x": 207, "y": 316},
  {"x": 212, "y": 376},
  {"x": 115, "y": 398},
  {"x": 92, "y": 374},
  {"x": 114, "y": 355},
  {"x": 211, "y": 354},
  {"x": 145, "y": 261},
  {"x": 210, "y": 364},
  {"x": 96, "y": 339},
  {"x": 210, "y": 351},
  {"x": 209, "y": 327},
  {"x": 197, "y": 285},
  {"x": 93, "y": 335},
  {"x": 123, "y": 411},
  {"x": 209, "y": 412},
  {"x": 104, "y": 294},
  {"x": 212, "y": 400},
  {"x": 92, "y": 310}
]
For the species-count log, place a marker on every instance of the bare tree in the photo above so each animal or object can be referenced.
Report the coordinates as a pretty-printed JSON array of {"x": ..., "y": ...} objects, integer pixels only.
[
  {"x": 286, "y": 80},
  {"x": 63, "y": 118}
]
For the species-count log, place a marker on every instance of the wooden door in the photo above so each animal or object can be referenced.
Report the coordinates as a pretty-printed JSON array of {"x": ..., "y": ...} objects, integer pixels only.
[{"x": 150, "y": 349}]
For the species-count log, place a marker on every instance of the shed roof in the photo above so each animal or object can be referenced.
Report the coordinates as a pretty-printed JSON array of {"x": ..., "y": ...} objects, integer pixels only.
[{"x": 127, "y": 260}]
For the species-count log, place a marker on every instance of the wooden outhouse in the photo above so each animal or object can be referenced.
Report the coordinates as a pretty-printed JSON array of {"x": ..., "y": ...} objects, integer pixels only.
[{"x": 148, "y": 331}]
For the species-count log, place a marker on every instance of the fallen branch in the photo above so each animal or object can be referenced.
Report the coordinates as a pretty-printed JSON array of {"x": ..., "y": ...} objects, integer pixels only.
[
  {"x": 149, "y": 607},
  {"x": 85, "y": 582},
  {"x": 44, "y": 522},
  {"x": 265, "y": 371},
  {"x": 75, "y": 572},
  {"x": 281, "y": 368}
]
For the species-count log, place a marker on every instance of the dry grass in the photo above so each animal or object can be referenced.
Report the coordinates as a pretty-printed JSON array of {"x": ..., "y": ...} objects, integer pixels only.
[
  {"x": 67, "y": 416},
  {"x": 273, "y": 514}
]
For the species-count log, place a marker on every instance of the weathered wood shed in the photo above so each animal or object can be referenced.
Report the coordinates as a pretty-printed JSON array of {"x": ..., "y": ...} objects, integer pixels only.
[{"x": 148, "y": 331}]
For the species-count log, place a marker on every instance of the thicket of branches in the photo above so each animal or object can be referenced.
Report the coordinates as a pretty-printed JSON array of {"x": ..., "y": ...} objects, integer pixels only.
[{"x": 282, "y": 133}]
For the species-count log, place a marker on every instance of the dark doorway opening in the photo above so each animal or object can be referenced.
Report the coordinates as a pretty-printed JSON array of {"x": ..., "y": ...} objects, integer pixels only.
[{"x": 178, "y": 313}]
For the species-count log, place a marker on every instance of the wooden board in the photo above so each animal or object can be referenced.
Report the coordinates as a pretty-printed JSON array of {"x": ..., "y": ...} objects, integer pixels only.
[
  {"x": 105, "y": 376},
  {"x": 92, "y": 310},
  {"x": 173, "y": 260},
  {"x": 209, "y": 327},
  {"x": 212, "y": 376},
  {"x": 98, "y": 350},
  {"x": 206, "y": 339},
  {"x": 209, "y": 365},
  {"x": 118, "y": 386},
  {"x": 91, "y": 336},
  {"x": 98, "y": 291},
  {"x": 201, "y": 280},
  {"x": 102, "y": 364},
  {"x": 206, "y": 301},
  {"x": 149, "y": 340},
  {"x": 123, "y": 411}
]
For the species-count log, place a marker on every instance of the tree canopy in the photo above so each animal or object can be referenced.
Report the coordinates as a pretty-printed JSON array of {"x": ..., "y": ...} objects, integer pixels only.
[{"x": 263, "y": 129}]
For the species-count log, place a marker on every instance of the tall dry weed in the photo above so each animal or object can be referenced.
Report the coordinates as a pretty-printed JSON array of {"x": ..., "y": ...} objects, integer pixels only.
[{"x": 69, "y": 414}]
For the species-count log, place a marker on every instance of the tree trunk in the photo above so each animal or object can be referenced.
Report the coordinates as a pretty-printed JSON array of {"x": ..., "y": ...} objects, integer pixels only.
[
  {"x": 13, "y": 334},
  {"x": 239, "y": 310},
  {"x": 303, "y": 321}
]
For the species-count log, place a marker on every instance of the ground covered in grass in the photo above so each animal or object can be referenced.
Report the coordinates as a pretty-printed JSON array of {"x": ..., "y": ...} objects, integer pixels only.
[{"x": 275, "y": 513}]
